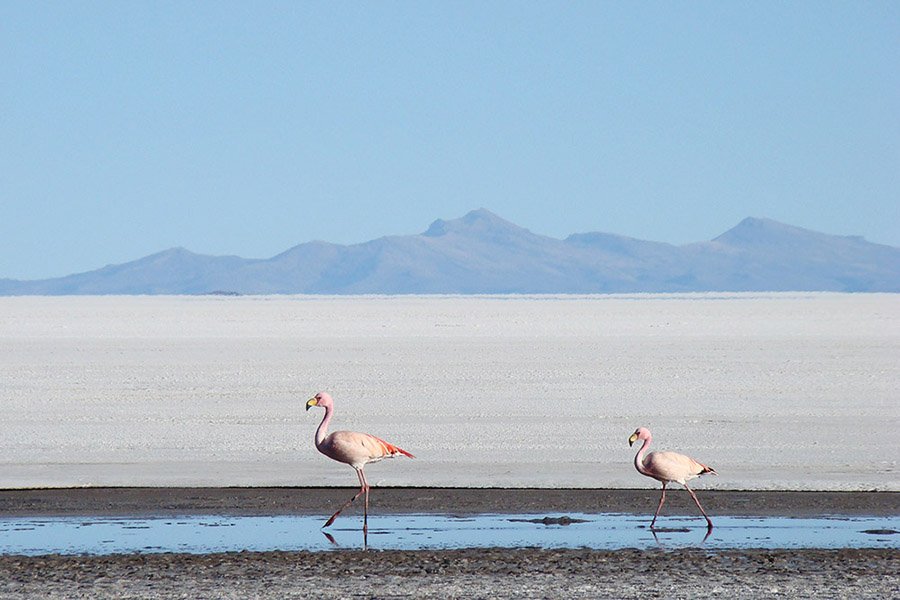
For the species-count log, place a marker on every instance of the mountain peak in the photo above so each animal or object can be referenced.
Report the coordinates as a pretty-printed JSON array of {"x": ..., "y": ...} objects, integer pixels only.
[
  {"x": 169, "y": 255},
  {"x": 175, "y": 251},
  {"x": 477, "y": 221},
  {"x": 756, "y": 223},
  {"x": 755, "y": 230}
]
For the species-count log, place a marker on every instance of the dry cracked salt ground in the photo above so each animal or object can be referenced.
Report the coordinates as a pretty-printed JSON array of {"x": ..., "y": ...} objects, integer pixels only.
[{"x": 776, "y": 391}]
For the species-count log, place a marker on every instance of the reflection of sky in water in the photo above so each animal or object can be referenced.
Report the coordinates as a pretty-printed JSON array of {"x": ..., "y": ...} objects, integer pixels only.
[{"x": 202, "y": 534}]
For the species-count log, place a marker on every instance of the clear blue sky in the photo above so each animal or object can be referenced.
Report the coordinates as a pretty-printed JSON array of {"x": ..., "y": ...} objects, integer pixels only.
[{"x": 246, "y": 128}]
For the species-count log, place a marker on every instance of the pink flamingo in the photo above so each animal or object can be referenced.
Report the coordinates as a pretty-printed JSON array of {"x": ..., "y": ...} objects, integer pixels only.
[
  {"x": 353, "y": 448},
  {"x": 666, "y": 467}
]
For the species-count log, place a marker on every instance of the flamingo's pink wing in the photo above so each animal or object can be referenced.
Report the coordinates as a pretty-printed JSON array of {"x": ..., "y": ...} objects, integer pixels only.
[{"x": 672, "y": 466}]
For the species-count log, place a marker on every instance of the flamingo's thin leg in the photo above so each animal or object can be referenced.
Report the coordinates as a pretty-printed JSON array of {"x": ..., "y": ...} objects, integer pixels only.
[
  {"x": 365, "y": 484},
  {"x": 694, "y": 496},
  {"x": 362, "y": 490},
  {"x": 662, "y": 499}
]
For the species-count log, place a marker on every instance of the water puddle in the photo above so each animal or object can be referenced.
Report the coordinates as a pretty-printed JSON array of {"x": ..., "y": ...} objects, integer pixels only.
[{"x": 205, "y": 534}]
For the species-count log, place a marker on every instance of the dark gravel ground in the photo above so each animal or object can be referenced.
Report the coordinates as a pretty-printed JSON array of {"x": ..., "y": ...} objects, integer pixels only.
[
  {"x": 479, "y": 573},
  {"x": 467, "y": 573}
]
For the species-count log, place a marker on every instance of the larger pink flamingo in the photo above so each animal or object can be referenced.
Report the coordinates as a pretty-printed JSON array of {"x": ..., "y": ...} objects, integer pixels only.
[
  {"x": 666, "y": 467},
  {"x": 353, "y": 448}
]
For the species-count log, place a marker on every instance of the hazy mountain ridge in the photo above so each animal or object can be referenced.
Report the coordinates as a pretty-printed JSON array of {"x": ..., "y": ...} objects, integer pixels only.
[{"x": 483, "y": 253}]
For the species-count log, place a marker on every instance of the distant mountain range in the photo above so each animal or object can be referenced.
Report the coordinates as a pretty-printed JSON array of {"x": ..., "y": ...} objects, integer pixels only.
[{"x": 481, "y": 253}]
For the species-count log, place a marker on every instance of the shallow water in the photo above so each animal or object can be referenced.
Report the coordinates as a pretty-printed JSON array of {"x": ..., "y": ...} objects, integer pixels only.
[{"x": 206, "y": 534}]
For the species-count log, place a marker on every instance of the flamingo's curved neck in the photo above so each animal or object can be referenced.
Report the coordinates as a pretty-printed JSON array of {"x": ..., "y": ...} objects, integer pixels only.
[
  {"x": 639, "y": 457},
  {"x": 323, "y": 427}
]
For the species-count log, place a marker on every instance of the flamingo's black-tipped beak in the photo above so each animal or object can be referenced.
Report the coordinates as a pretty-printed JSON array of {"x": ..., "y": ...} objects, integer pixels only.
[
  {"x": 311, "y": 402},
  {"x": 631, "y": 440}
]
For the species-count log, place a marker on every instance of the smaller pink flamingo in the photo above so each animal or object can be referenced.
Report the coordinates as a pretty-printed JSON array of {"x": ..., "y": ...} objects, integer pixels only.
[
  {"x": 666, "y": 467},
  {"x": 353, "y": 448}
]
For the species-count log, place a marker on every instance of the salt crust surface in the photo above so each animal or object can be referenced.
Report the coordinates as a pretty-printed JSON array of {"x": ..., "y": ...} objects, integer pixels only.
[{"x": 776, "y": 391}]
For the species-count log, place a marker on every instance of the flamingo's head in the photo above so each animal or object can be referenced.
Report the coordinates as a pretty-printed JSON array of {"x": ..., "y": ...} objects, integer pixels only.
[
  {"x": 322, "y": 399},
  {"x": 641, "y": 433}
]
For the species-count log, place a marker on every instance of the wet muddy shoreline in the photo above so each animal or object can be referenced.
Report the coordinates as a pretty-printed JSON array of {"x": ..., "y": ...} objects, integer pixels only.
[{"x": 316, "y": 500}]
